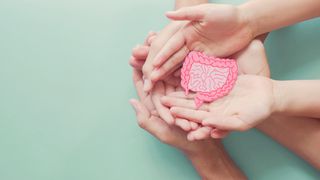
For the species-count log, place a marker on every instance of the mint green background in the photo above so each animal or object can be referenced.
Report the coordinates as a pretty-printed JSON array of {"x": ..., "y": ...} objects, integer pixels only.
[{"x": 65, "y": 85}]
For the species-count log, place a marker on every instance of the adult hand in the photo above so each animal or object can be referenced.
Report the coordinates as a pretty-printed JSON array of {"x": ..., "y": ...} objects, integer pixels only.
[
  {"x": 170, "y": 84},
  {"x": 215, "y": 29},
  {"x": 156, "y": 126}
]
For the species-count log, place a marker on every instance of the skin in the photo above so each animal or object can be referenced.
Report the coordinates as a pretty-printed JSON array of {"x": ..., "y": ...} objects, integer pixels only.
[
  {"x": 282, "y": 120},
  {"x": 241, "y": 111},
  {"x": 222, "y": 30},
  {"x": 254, "y": 54},
  {"x": 251, "y": 60},
  {"x": 288, "y": 127},
  {"x": 208, "y": 156},
  {"x": 281, "y": 128},
  {"x": 163, "y": 36}
]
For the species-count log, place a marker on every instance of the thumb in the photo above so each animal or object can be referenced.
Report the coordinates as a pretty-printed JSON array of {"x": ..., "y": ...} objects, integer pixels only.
[
  {"x": 193, "y": 13},
  {"x": 142, "y": 112}
]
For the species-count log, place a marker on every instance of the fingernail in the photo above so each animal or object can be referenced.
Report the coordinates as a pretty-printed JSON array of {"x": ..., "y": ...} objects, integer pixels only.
[
  {"x": 150, "y": 40},
  {"x": 170, "y": 12},
  {"x": 137, "y": 46},
  {"x": 147, "y": 85},
  {"x": 134, "y": 105},
  {"x": 171, "y": 120},
  {"x": 190, "y": 137},
  {"x": 194, "y": 126}
]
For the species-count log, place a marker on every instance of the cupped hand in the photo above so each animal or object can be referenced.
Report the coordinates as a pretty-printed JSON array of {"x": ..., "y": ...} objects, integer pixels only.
[
  {"x": 251, "y": 60},
  {"x": 149, "y": 120},
  {"x": 162, "y": 38},
  {"x": 215, "y": 29},
  {"x": 249, "y": 102},
  {"x": 168, "y": 85}
]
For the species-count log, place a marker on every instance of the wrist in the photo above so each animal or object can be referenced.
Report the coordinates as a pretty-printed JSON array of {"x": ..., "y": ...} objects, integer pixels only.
[
  {"x": 212, "y": 162},
  {"x": 278, "y": 97},
  {"x": 248, "y": 18}
]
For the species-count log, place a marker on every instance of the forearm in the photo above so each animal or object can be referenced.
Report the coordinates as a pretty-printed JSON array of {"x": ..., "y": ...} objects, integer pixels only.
[
  {"x": 212, "y": 162},
  {"x": 299, "y": 134},
  {"x": 297, "y": 98},
  {"x": 267, "y": 15},
  {"x": 184, "y": 3}
]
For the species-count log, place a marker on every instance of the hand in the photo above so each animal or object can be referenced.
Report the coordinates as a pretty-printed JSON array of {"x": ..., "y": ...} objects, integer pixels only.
[
  {"x": 170, "y": 84},
  {"x": 218, "y": 30},
  {"x": 207, "y": 156},
  {"x": 251, "y": 60},
  {"x": 157, "y": 45},
  {"x": 249, "y": 102},
  {"x": 149, "y": 120}
]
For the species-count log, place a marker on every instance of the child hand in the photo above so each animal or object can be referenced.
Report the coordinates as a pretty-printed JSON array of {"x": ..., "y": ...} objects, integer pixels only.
[
  {"x": 249, "y": 102},
  {"x": 219, "y": 30}
]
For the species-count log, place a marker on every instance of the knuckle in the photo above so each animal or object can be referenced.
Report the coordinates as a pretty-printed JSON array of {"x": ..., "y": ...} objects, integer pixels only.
[{"x": 142, "y": 124}]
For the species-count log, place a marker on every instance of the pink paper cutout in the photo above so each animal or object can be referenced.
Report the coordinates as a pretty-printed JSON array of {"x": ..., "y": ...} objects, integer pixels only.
[{"x": 210, "y": 77}]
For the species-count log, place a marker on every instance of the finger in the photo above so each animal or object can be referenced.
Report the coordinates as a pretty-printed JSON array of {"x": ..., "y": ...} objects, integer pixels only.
[
  {"x": 199, "y": 134},
  {"x": 164, "y": 112},
  {"x": 137, "y": 80},
  {"x": 150, "y": 35},
  {"x": 155, "y": 47},
  {"x": 152, "y": 124},
  {"x": 189, "y": 114},
  {"x": 140, "y": 52},
  {"x": 172, "y": 64},
  {"x": 181, "y": 94},
  {"x": 174, "y": 44},
  {"x": 194, "y": 125},
  {"x": 192, "y": 13},
  {"x": 169, "y": 88},
  {"x": 183, "y": 124},
  {"x": 136, "y": 64},
  {"x": 182, "y": 102},
  {"x": 142, "y": 112},
  {"x": 218, "y": 133},
  {"x": 154, "y": 113},
  {"x": 151, "y": 39},
  {"x": 226, "y": 123}
]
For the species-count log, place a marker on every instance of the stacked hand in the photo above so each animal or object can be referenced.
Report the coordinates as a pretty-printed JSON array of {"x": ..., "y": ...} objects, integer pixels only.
[
  {"x": 160, "y": 59},
  {"x": 148, "y": 116},
  {"x": 221, "y": 31},
  {"x": 251, "y": 60}
]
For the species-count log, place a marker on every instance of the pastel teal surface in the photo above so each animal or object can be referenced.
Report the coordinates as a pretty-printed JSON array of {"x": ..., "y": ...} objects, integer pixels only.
[{"x": 65, "y": 84}]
